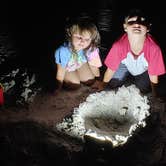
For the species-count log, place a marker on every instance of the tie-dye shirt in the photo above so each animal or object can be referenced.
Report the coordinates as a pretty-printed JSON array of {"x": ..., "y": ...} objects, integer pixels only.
[{"x": 74, "y": 60}]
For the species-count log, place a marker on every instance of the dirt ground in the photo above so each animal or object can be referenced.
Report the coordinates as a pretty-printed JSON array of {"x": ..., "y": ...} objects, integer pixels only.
[
  {"x": 47, "y": 108},
  {"x": 28, "y": 136}
]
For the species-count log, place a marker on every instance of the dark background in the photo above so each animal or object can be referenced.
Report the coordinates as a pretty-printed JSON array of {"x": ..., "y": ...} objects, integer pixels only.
[{"x": 37, "y": 27}]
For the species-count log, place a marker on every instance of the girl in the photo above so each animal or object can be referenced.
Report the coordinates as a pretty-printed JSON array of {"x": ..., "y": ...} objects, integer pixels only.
[{"x": 78, "y": 60}]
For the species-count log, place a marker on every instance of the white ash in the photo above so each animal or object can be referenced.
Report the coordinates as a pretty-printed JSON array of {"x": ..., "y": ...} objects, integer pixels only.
[
  {"x": 28, "y": 81},
  {"x": 96, "y": 116},
  {"x": 10, "y": 77},
  {"x": 21, "y": 84},
  {"x": 8, "y": 85},
  {"x": 28, "y": 94}
]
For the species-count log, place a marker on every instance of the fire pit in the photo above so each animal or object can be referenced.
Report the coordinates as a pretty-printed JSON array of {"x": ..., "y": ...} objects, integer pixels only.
[{"x": 108, "y": 116}]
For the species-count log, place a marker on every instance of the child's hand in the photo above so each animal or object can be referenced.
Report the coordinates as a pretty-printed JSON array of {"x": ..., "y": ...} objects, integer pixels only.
[
  {"x": 58, "y": 88},
  {"x": 99, "y": 85}
]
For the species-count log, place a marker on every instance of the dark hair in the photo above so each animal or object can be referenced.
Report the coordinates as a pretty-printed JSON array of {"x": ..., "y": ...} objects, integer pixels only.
[{"x": 141, "y": 17}]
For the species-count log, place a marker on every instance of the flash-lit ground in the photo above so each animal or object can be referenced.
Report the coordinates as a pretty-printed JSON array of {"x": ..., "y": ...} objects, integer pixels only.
[
  {"x": 110, "y": 116},
  {"x": 29, "y": 136},
  {"x": 28, "y": 133}
]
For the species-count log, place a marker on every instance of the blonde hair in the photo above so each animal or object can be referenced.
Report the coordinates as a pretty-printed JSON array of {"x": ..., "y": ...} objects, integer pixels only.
[{"x": 84, "y": 25}]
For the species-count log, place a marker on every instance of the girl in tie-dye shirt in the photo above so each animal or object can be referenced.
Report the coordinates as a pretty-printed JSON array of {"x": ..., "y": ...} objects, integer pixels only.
[{"x": 78, "y": 60}]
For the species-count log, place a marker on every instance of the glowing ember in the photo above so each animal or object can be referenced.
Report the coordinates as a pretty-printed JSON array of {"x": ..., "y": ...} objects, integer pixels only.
[{"x": 108, "y": 116}]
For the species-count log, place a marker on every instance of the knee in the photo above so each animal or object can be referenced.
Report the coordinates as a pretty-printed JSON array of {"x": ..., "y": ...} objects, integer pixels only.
[{"x": 115, "y": 83}]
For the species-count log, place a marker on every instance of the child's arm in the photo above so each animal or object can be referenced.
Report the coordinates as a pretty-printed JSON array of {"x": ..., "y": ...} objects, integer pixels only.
[
  {"x": 94, "y": 62},
  {"x": 154, "y": 84},
  {"x": 60, "y": 77},
  {"x": 95, "y": 70},
  {"x": 60, "y": 73}
]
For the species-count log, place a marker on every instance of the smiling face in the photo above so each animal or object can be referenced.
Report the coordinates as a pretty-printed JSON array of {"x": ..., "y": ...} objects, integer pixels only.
[{"x": 136, "y": 26}]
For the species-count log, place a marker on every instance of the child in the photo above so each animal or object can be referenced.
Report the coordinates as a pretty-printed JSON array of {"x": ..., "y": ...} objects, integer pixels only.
[
  {"x": 78, "y": 59},
  {"x": 135, "y": 54}
]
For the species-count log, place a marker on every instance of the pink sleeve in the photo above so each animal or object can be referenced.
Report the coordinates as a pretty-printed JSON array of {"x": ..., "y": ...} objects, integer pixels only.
[
  {"x": 156, "y": 63},
  {"x": 94, "y": 58},
  {"x": 113, "y": 59}
]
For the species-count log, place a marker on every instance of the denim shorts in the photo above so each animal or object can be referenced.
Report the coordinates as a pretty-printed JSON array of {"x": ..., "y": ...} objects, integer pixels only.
[{"x": 122, "y": 75}]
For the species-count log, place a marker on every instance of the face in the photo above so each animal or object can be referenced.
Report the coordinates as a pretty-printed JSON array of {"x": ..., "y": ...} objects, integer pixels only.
[
  {"x": 81, "y": 41},
  {"x": 136, "y": 26}
]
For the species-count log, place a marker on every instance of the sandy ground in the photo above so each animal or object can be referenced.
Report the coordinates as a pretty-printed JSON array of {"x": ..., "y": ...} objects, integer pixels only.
[
  {"x": 37, "y": 144},
  {"x": 47, "y": 108}
]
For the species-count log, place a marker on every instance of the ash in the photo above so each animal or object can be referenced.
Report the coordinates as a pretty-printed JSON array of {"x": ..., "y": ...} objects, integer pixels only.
[{"x": 108, "y": 116}]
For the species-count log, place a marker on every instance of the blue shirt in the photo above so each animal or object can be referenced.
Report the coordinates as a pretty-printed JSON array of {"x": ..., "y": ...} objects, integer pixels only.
[{"x": 64, "y": 53}]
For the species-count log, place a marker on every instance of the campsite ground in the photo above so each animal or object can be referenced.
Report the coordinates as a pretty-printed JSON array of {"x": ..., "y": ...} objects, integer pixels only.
[{"x": 29, "y": 137}]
